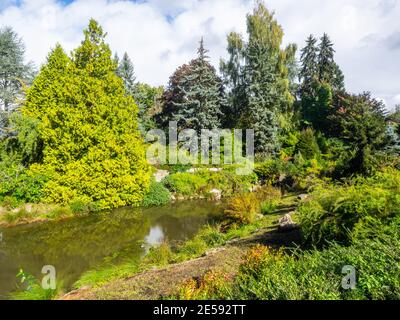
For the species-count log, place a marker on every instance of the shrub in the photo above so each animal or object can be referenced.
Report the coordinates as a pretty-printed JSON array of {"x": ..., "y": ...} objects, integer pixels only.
[
  {"x": 334, "y": 211},
  {"x": 202, "y": 182},
  {"x": 19, "y": 184},
  {"x": 158, "y": 195},
  {"x": 268, "y": 193},
  {"x": 159, "y": 255},
  {"x": 209, "y": 286},
  {"x": 307, "y": 145},
  {"x": 268, "y": 197},
  {"x": 185, "y": 183},
  {"x": 242, "y": 209},
  {"x": 317, "y": 275},
  {"x": 269, "y": 171}
]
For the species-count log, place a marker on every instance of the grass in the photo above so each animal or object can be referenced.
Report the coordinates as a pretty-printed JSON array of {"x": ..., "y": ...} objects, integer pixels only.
[{"x": 35, "y": 213}]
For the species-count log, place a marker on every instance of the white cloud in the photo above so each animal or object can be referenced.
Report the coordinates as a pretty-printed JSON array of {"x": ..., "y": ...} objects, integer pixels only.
[{"x": 160, "y": 35}]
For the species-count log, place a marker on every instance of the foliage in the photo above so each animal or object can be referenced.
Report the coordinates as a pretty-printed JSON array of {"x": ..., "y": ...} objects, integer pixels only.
[
  {"x": 14, "y": 73},
  {"x": 313, "y": 275},
  {"x": 321, "y": 80},
  {"x": 257, "y": 73},
  {"x": 335, "y": 211},
  {"x": 307, "y": 145},
  {"x": 317, "y": 275},
  {"x": 209, "y": 285},
  {"x": 159, "y": 255},
  {"x": 361, "y": 122},
  {"x": 242, "y": 209},
  {"x": 194, "y": 97},
  {"x": 269, "y": 171},
  {"x": 33, "y": 290},
  {"x": 126, "y": 72},
  {"x": 203, "y": 181},
  {"x": 92, "y": 147},
  {"x": 148, "y": 99},
  {"x": 19, "y": 184},
  {"x": 157, "y": 195}
]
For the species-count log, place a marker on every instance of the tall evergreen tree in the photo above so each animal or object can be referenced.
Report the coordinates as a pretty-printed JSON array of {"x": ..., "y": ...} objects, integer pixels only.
[
  {"x": 321, "y": 80},
  {"x": 195, "y": 96},
  {"x": 326, "y": 64},
  {"x": 309, "y": 66},
  {"x": 13, "y": 71},
  {"x": 362, "y": 125},
  {"x": 127, "y": 72},
  {"x": 233, "y": 75},
  {"x": 257, "y": 73},
  {"x": 92, "y": 148}
]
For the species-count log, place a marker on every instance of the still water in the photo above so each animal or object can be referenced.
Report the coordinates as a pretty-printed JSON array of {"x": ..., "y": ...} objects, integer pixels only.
[{"x": 77, "y": 245}]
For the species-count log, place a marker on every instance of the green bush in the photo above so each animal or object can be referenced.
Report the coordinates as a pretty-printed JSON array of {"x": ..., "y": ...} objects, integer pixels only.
[
  {"x": 203, "y": 181},
  {"x": 334, "y": 211},
  {"x": 269, "y": 171},
  {"x": 242, "y": 209},
  {"x": 19, "y": 185},
  {"x": 185, "y": 183},
  {"x": 314, "y": 275},
  {"x": 159, "y": 255},
  {"x": 158, "y": 195},
  {"x": 307, "y": 145}
]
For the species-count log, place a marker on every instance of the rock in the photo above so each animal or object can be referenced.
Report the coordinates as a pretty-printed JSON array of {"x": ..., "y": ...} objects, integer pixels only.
[
  {"x": 303, "y": 197},
  {"x": 255, "y": 188},
  {"x": 160, "y": 175},
  {"x": 216, "y": 194},
  {"x": 259, "y": 216},
  {"x": 286, "y": 223},
  {"x": 282, "y": 177}
]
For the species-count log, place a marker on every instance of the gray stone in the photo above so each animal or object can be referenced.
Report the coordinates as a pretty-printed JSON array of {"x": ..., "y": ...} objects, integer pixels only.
[
  {"x": 216, "y": 194},
  {"x": 303, "y": 197},
  {"x": 160, "y": 175},
  {"x": 286, "y": 223}
]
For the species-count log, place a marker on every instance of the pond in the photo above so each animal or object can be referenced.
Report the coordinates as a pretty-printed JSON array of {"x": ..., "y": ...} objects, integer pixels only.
[{"x": 80, "y": 244}]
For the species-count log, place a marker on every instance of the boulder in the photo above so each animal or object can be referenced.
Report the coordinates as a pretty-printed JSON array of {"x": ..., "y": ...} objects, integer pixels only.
[
  {"x": 160, "y": 175},
  {"x": 303, "y": 197},
  {"x": 216, "y": 194},
  {"x": 286, "y": 223}
]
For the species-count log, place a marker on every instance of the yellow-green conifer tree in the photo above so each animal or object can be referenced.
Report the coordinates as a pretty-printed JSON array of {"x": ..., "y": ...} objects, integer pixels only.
[{"x": 92, "y": 148}]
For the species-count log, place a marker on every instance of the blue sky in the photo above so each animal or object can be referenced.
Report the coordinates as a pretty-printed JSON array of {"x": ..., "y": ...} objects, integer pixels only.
[{"x": 160, "y": 35}]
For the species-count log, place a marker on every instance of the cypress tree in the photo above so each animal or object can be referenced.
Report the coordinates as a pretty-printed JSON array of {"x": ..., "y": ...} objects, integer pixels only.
[{"x": 92, "y": 151}]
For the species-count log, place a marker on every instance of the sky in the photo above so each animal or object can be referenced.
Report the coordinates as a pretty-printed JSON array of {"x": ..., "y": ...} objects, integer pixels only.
[{"x": 160, "y": 35}]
